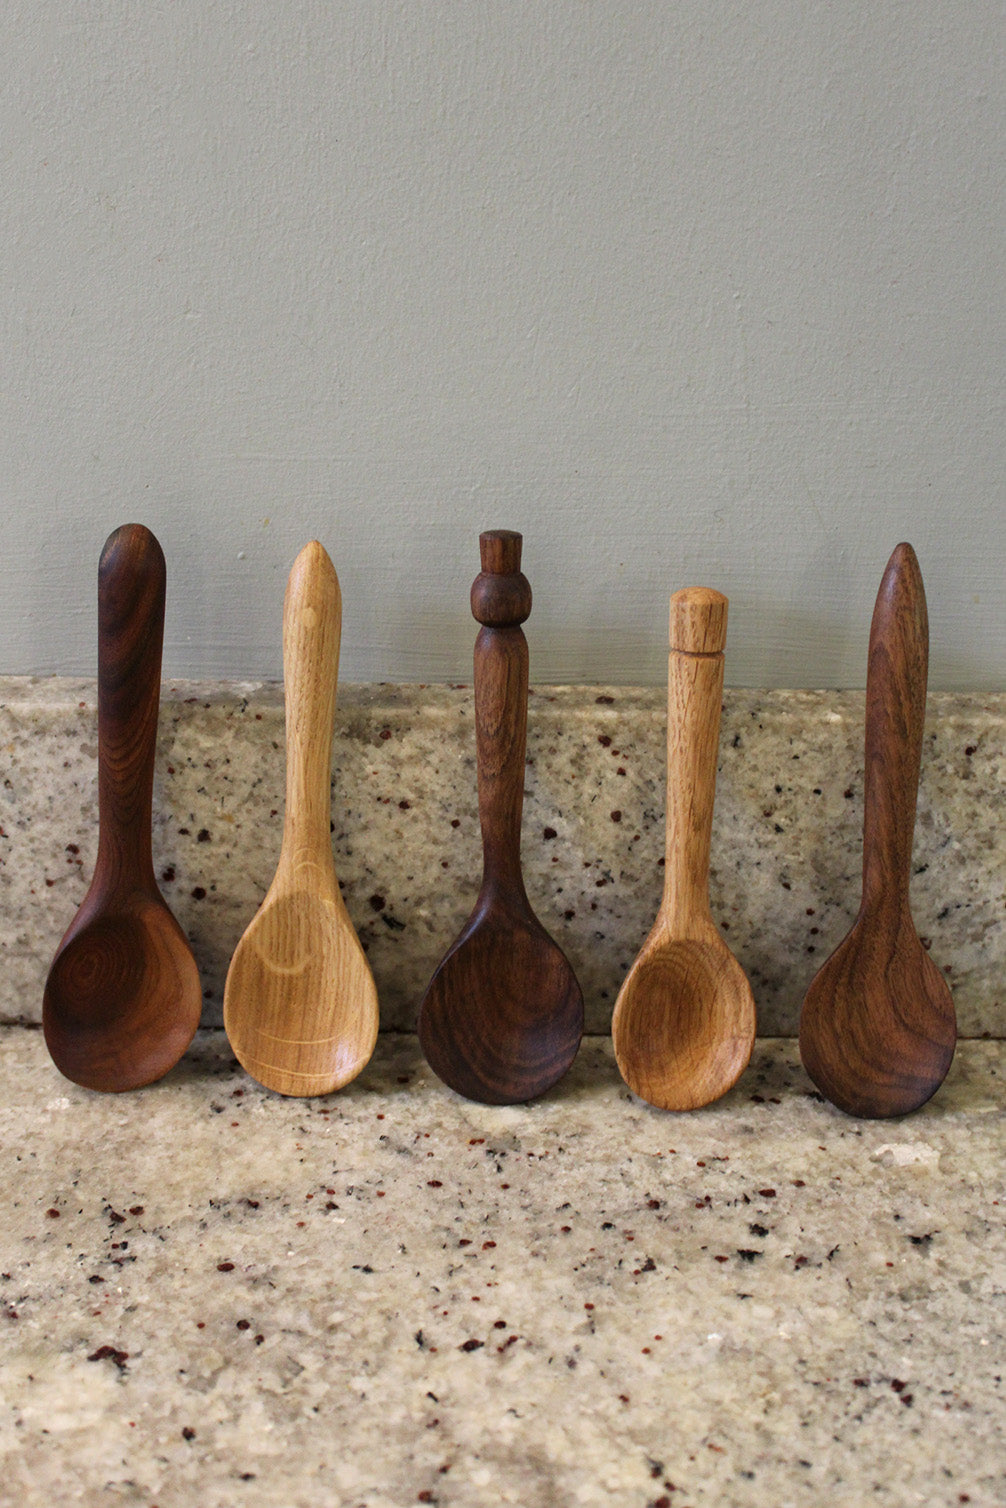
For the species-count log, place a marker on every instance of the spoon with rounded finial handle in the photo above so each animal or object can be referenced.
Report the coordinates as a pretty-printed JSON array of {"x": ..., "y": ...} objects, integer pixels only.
[
  {"x": 122, "y": 1000},
  {"x": 503, "y": 1015},
  {"x": 300, "y": 1003},
  {"x": 684, "y": 1021},
  {"x": 877, "y": 1029}
]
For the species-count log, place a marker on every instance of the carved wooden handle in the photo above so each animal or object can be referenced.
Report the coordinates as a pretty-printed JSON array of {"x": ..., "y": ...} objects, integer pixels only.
[
  {"x": 895, "y": 714},
  {"x": 131, "y": 589},
  {"x": 501, "y": 601},
  {"x": 698, "y": 630},
  {"x": 312, "y": 631}
]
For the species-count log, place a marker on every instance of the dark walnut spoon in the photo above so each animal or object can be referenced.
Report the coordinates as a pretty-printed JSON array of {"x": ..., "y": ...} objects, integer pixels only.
[
  {"x": 502, "y": 1018},
  {"x": 877, "y": 1030},
  {"x": 122, "y": 1000}
]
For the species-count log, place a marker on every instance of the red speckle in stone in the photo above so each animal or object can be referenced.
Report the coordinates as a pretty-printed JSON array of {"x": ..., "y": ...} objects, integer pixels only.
[
  {"x": 602, "y": 701},
  {"x": 477, "y": 1141},
  {"x": 471, "y": 1345},
  {"x": 488, "y": 1245},
  {"x": 225, "y": 1267},
  {"x": 188, "y": 1433},
  {"x": 385, "y": 733},
  {"x": 434, "y": 1183},
  {"x": 499, "y": 1324},
  {"x": 53, "y": 1214},
  {"x": 616, "y": 816},
  {"x": 798, "y": 1183},
  {"x": 604, "y": 740},
  {"x": 464, "y": 1241},
  {"x": 377, "y": 902},
  {"x": 455, "y": 821},
  {"x": 620, "y": 770},
  {"x": 767, "y": 1193},
  {"x": 721, "y": 1259},
  {"x": 198, "y": 893},
  {"x": 136, "y": 1209},
  {"x": 646, "y": 1350},
  {"x": 565, "y": 1229}
]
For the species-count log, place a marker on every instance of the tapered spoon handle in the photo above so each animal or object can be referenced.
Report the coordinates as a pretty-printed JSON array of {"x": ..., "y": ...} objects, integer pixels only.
[
  {"x": 312, "y": 629},
  {"x": 501, "y": 601},
  {"x": 131, "y": 589},
  {"x": 895, "y": 714},
  {"x": 698, "y": 629}
]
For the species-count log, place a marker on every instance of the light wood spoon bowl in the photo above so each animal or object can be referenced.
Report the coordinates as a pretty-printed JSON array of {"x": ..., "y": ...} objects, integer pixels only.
[
  {"x": 877, "y": 1029},
  {"x": 300, "y": 1003},
  {"x": 122, "y": 1000},
  {"x": 684, "y": 1022}
]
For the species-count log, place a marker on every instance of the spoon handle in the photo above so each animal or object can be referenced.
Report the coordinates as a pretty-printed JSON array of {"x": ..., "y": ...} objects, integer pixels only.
[
  {"x": 895, "y": 713},
  {"x": 698, "y": 630},
  {"x": 312, "y": 631},
  {"x": 501, "y": 601},
  {"x": 131, "y": 588}
]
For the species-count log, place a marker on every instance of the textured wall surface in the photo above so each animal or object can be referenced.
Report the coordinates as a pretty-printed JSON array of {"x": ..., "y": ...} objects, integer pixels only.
[
  {"x": 686, "y": 293},
  {"x": 786, "y": 850}
]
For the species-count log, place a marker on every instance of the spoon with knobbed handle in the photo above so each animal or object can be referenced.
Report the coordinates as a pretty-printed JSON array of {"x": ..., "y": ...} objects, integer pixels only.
[
  {"x": 300, "y": 1003},
  {"x": 503, "y": 1015},
  {"x": 877, "y": 1029},
  {"x": 122, "y": 1000},
  {"x": 684, "y": 1021}
]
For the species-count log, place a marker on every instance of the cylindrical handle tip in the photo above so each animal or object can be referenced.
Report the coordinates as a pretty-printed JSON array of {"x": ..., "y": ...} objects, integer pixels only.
[
  {"x": 698, "y": 623},
  {"x": 499, "y": 550}
]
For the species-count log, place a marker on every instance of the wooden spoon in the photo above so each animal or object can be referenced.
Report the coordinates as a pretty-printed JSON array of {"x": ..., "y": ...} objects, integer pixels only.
[
  {"x": 300, "y": 1004},
  {"x": 684, "y": 1021},
  {"x": 877, "y": 1029},
  {"x": 502, "y": 1018},
  {"x": 122, "y": 1000}
]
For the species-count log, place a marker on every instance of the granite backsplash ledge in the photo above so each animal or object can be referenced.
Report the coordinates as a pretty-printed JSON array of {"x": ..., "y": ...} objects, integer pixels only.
[{"x": 786, "y": 839}]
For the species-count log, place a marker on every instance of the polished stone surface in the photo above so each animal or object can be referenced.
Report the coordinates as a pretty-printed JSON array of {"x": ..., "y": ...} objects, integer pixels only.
[
  {"x": 786, "y": 843},
  {"x": 212, "y": 1295}
]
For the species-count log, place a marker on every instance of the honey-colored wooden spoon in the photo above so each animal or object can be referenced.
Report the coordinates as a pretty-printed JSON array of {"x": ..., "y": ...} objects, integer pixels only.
[
  {"x": 877, "y": 1029},
  {"x": 503, "y": 1015},
  {"x": 122, "y": 1000},
  {"x": 300, "y": 1003},
  {"x": 684, "y": 1021}
]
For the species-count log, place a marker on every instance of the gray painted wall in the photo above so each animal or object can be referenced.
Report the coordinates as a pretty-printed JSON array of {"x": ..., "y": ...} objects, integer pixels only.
[{"x": 687, "y": 293}]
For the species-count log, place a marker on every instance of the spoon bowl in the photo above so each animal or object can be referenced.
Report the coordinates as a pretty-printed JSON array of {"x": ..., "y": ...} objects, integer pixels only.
[
  {"x": 298, "y": 945},
  {"x": 536, "y": 1020},
  {"x": 684, "y": 1028},
  {"x": 122, "y": 1000}
]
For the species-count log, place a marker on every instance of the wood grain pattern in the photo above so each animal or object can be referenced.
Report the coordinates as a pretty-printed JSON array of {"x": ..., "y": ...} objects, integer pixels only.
[
  {"x": 300, "y": 1003},
  {"x": 503, "y": 1015},
  {"x": 877, "y": 1029},
  {"x": 684, "y": 1022},
  {"x": 122, "y": 1000}
]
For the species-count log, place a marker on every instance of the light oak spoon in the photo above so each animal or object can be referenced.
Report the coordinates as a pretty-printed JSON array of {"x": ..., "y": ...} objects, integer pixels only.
[
  {"x": 684, "y": 1021},
  {"x": 122, "y": 1000},
  {"x": 300, "y": 1004},
  {"x": 503, "y": 1015},
  {"x": 877, "y": 1029}
]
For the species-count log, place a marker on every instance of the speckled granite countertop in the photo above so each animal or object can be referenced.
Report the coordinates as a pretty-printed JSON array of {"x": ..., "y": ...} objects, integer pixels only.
[
  {"x": 786, "y": 852},
  {"x": 215, "y": 1296}
]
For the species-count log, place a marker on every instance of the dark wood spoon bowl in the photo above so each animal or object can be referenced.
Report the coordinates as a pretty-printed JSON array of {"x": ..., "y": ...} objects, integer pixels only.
[
  {"x": 122, "y": 1000},
  {"x": 503, "y": 1015}
]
